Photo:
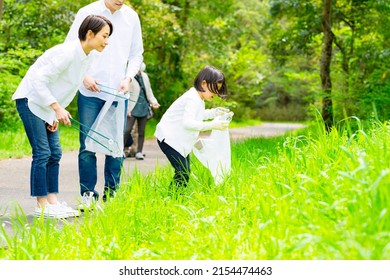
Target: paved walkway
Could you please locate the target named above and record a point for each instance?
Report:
(15, 173)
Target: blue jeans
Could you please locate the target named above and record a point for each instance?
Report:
(89, 109)
(46, 152)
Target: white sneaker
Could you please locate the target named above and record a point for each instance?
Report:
(69, 210)
(86, 201)
(51, 211)
(139, 155)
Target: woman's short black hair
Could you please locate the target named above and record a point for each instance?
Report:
(215, 80)
(95, 23)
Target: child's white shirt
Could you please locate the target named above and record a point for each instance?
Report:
(181, 124)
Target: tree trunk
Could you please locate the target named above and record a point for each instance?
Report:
(1, 8)
(326, 83)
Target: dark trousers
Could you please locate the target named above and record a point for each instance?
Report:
(128, 139)
(180, 164)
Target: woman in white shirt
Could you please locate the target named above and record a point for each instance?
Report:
(46, 90)
(179, 127)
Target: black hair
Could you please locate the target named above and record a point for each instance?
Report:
(214, 78)
(95, 23)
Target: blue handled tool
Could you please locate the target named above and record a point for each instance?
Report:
(86, 134)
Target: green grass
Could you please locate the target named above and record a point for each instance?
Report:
(312, 195)
(15, 144)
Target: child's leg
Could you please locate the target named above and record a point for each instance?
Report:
(180, 164)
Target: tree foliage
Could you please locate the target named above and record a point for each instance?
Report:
(361, 49)
(269, 50)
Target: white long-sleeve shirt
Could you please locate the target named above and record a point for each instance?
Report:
(182, 122)
(123, 55)
(54, 77)
(148, 88)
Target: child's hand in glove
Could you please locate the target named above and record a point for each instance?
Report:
(218, 124)
(223, 114)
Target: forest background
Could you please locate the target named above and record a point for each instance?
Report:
(277, 61)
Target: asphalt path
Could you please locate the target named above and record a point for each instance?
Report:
(15, 173)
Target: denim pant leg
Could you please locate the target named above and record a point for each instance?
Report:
(88, 109)
(112, 173)
(113, 166)
(53, 165)
(46, 152)
(180, 164)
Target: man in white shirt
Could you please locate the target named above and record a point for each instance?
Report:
(114, 68)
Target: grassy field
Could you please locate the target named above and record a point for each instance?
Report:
(307, 196)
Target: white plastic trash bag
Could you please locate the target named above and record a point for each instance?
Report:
(214, 153)
(106, 134)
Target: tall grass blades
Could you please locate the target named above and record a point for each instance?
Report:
(312, 195)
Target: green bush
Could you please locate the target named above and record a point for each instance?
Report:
(8, 115)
